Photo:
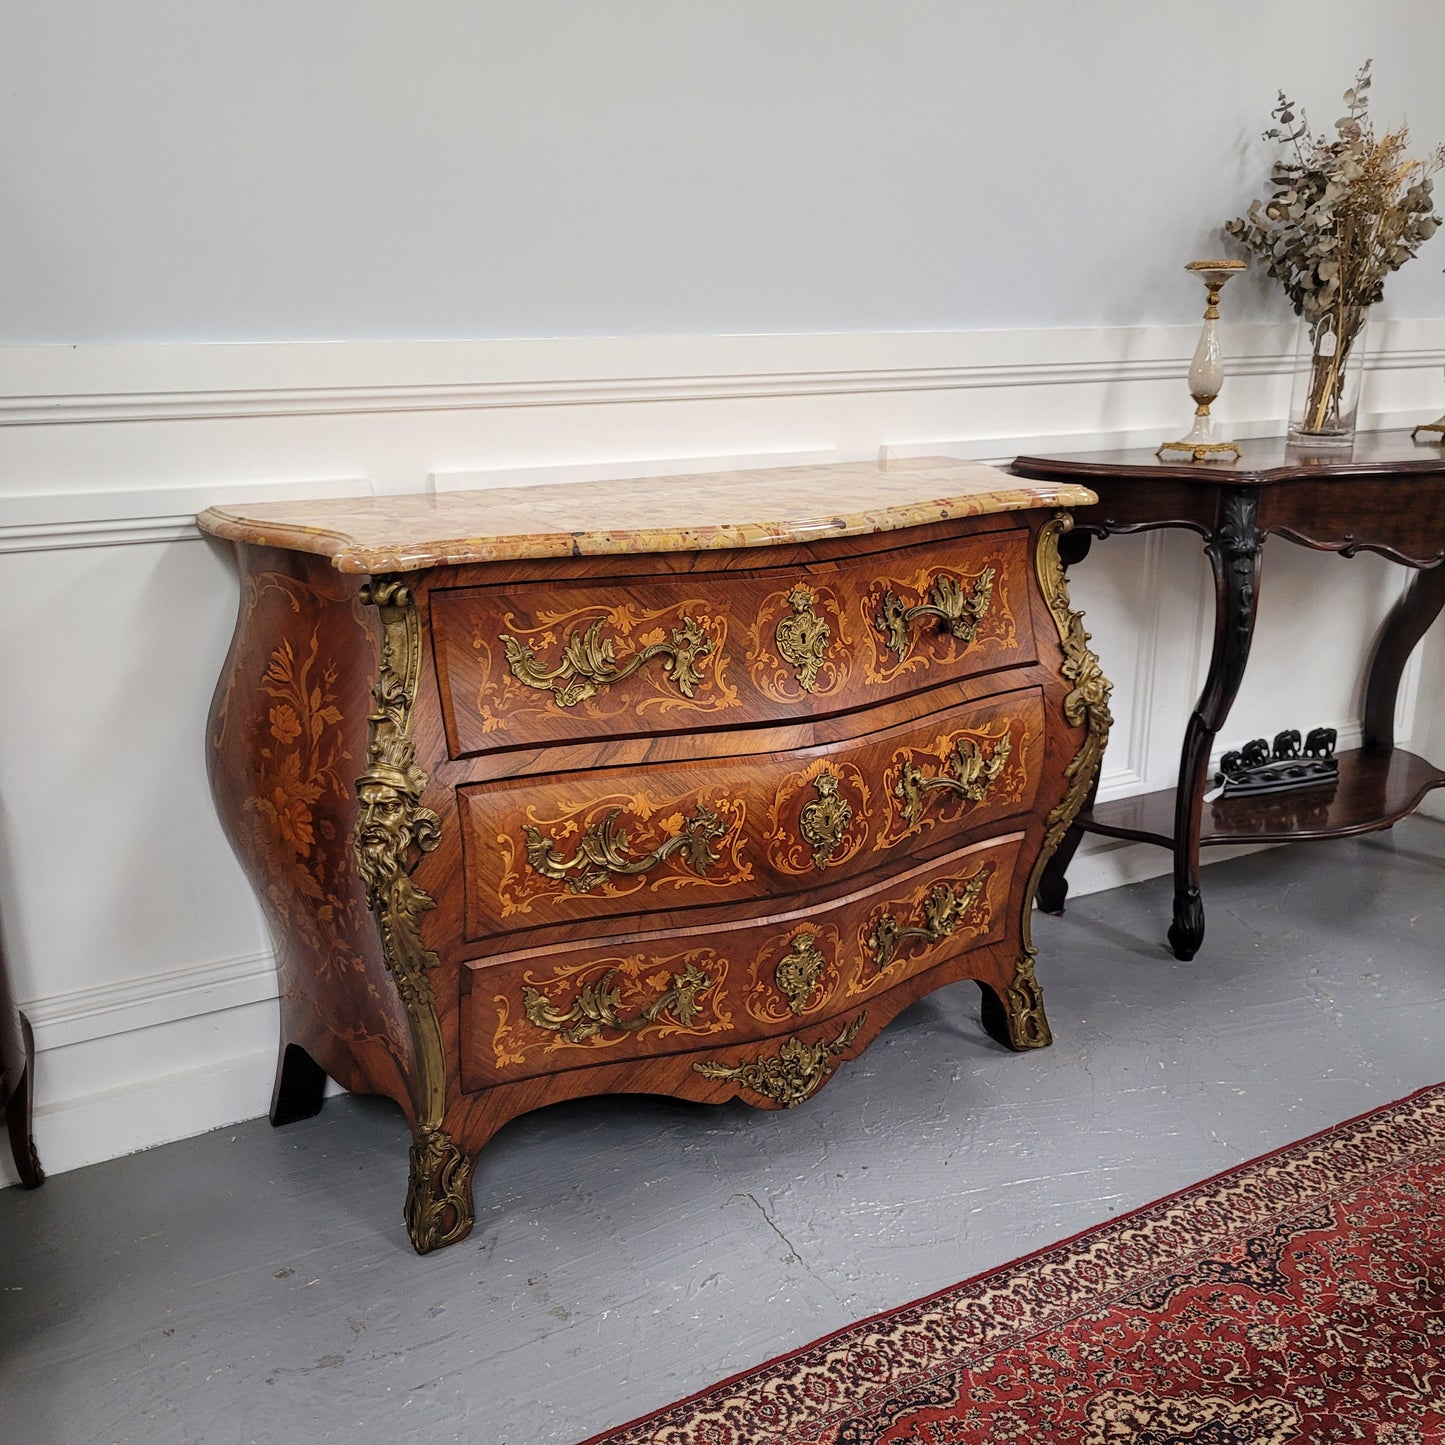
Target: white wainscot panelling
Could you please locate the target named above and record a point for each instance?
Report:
(137, 946)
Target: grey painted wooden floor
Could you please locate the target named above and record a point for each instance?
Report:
(255, 1285)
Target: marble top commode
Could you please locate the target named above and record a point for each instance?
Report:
(672, 785)
(648, 514)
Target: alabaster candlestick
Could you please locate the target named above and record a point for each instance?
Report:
(1206, 370)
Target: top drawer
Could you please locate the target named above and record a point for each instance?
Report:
(556, 662)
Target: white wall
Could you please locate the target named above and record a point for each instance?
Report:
(962, 224)
(200, 170)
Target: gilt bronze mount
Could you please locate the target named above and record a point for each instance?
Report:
(957, 611)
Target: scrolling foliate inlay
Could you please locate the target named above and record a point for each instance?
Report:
(392, 824)
(946, 908)
(589, 661)
(624, 995)
(793, 1074)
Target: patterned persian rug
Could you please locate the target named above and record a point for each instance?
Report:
(1300, 1297)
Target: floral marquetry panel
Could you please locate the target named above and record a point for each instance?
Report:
(288, 736)
(647, 787)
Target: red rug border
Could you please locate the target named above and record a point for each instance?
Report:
(1022, 1259)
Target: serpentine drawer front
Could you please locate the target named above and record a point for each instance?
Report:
(637, 996)
(594, 845)
(681, 785)
(528, 663)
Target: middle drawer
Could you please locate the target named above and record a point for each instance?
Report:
(620, 841)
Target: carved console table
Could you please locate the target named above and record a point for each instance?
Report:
(677, 786)
(1388, 496)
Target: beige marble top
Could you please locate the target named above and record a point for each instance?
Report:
(649, 514)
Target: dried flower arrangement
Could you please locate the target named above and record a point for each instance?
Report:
(1344, 211)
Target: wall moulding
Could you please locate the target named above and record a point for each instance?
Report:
(106, 1010)
(50, 386)
(105, 517)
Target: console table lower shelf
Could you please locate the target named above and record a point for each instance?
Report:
(1376, 788)
(630, 803)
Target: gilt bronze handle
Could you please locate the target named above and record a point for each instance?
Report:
(958, 612)
(946, 907)
(602, 852)
(589, 662)
(596, 1006)
(973, 774)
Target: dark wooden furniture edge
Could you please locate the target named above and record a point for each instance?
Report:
(17, 1079)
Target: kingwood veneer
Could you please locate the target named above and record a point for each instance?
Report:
(677, 786)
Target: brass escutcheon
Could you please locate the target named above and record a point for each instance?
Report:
(798, 971)
(803, 638)
(824, 821)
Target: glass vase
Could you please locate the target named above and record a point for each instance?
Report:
(1329, 367)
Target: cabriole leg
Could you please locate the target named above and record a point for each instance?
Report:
(439, 1194)
(300, 1086)
(1015, 1016)
(1233, 553)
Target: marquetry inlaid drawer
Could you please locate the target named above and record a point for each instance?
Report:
(609, 842)
(551, 662)
(638, 995)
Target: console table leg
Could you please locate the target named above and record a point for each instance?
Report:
(300, 1086)
(1233, 553)
(1409, 620)
(19, 1115)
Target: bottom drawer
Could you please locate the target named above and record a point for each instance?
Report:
(633, 996)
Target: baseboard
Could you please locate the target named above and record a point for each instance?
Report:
(1434, 805)
(1104, 863)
